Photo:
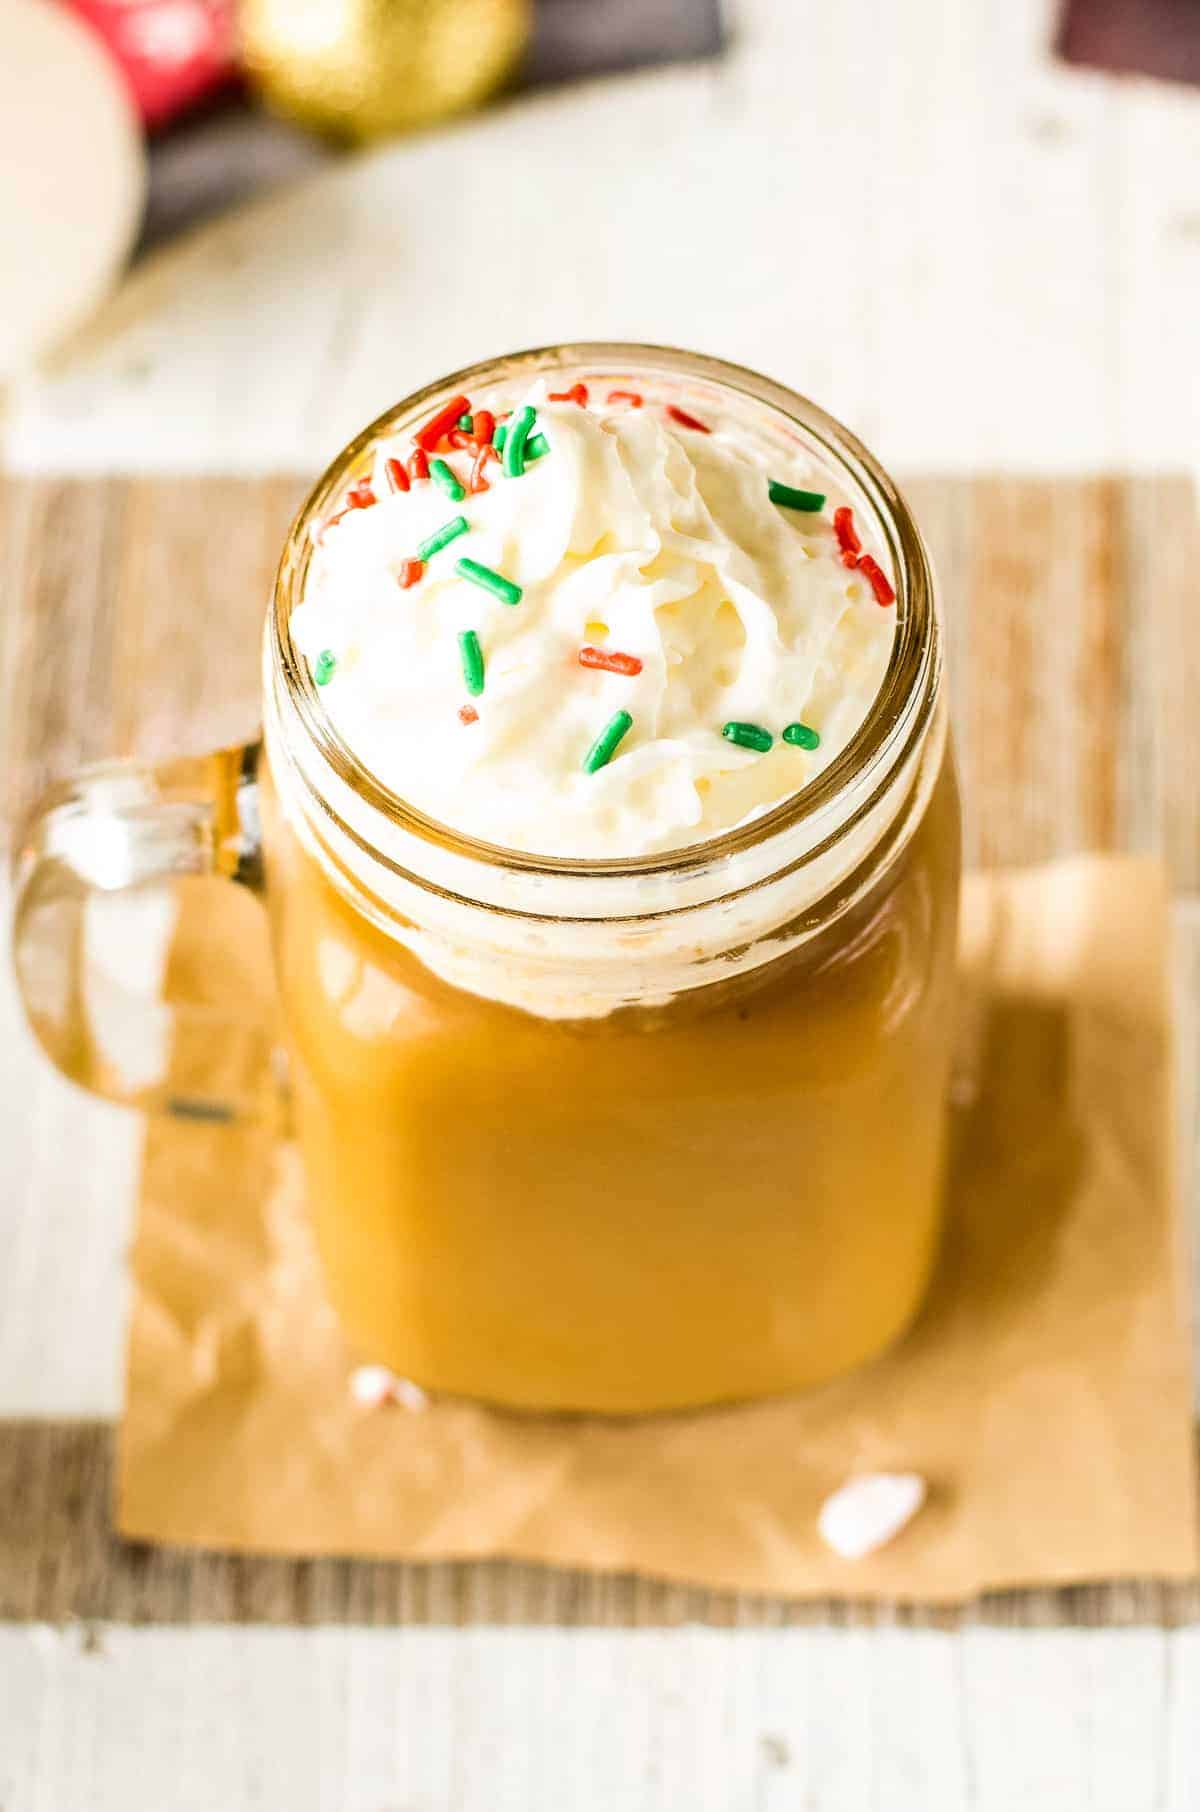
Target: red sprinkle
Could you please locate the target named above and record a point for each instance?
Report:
(441, 423)
(687, 421)
(410, 572)
(418, 464)
(459, 438)
(359, 497)
(397, 477)
(477, 482)
(634, 398)
(880, 584)
(485, 426)
(578, 393)
(848, 559)
(610, 662)
(468, 714)
(847, 534)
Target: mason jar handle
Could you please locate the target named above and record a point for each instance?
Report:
(95, 914)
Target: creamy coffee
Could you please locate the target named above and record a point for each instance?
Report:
(613, 863)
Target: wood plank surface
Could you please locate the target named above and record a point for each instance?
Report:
(136, 629)
(61, 1563)
(545, 1720)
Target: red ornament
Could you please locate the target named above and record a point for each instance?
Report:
(173, 53)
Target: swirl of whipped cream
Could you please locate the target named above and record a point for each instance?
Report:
(633, 534)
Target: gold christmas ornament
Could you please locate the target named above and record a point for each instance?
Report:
(362, 69)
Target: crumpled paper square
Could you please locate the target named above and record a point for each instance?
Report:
(1044, 1393)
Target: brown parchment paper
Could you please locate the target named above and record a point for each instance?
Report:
(1045, 1391)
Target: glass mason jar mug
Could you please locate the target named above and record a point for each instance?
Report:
(608, 1135)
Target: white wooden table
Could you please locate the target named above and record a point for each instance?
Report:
(980, 262)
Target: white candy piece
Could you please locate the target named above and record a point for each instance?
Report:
(375, 1385)
(866, 1512)
(372, 1385)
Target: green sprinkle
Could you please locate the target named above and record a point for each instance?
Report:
(789, 499)
(472, 662)
(326, 662)
(519, 430)
(445, 480)
(492, 581)
(802, 737)
(535, 446)
(449, 531)
(466, 423)
(748, 736)
(605, 745)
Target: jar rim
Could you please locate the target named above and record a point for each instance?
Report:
(899, 713)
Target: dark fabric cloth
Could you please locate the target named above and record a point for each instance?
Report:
(1135, 37)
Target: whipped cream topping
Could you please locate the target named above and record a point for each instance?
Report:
(633, 534)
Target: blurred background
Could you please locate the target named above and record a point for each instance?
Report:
(971, 231)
